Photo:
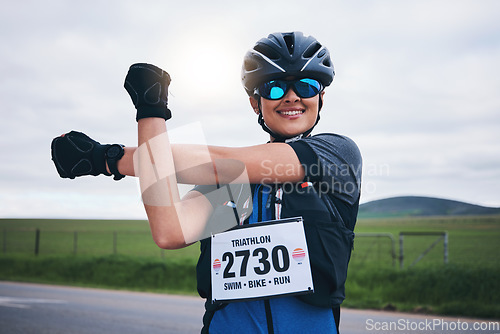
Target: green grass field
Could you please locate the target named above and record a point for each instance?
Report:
(122, 254)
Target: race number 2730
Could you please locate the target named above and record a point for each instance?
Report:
(279, 260)
(268, 259)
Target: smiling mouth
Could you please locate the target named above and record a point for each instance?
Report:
(290, 112)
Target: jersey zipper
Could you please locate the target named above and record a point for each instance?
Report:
(260, 208)
(269, 317)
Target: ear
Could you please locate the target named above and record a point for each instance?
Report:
(255, 104)
(320, 101)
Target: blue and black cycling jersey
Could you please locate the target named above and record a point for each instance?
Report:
(328, 202)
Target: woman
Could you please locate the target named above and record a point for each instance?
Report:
(316, 178)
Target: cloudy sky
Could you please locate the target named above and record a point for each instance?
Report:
(417, 87)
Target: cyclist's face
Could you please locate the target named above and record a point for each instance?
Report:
(290, 115)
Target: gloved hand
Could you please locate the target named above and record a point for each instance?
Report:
(147, 85)
(76, 154)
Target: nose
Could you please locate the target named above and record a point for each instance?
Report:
(291, 96)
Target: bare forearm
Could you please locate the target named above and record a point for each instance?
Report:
(158, 183)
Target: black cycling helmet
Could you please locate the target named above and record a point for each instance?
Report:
(282, 55)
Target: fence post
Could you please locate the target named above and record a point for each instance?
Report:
(75, 242)
(401, 255)
(446, 247)
(37, 241)
(393, 251)
(4, 247)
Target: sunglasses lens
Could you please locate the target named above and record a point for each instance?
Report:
(276, 93)
(307, 88)
(273, 90)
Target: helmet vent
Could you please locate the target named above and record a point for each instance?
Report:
(267, 51)
(289, 41)
(250, 65)
(311, 50)
(327, 62)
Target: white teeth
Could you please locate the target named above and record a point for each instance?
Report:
(292, 112)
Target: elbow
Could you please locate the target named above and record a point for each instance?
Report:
(176, 226)
(165, 227)
(169, 243)
(169, 239)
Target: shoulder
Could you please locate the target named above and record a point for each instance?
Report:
(337, 156)
(332, 144)
(331, 140)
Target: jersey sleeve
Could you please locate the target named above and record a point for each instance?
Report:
(229, 201)
(210, 192)
(333, 161)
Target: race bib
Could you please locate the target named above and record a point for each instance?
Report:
(261, 260)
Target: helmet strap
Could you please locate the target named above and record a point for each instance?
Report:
(282, 139)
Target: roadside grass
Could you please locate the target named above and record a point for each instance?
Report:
(122, 255)
(173, 275)
(458, 290)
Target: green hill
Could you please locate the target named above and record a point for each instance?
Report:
(421, 206)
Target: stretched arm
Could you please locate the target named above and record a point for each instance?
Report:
(174, 222)
(267, 163)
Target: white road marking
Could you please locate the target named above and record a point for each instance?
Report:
(18, 302)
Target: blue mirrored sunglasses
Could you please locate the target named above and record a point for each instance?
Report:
(276, 89)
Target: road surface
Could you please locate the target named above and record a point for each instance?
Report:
(44, 309)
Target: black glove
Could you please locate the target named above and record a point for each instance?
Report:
(147, 85)
(76, 154)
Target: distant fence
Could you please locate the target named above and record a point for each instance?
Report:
(381, 248)
(441, 236)
(36, 241)
(377, 248)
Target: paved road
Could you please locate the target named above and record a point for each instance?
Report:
(40, 309)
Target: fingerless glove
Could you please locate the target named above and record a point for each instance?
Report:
(147, 85)
(76, 154)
